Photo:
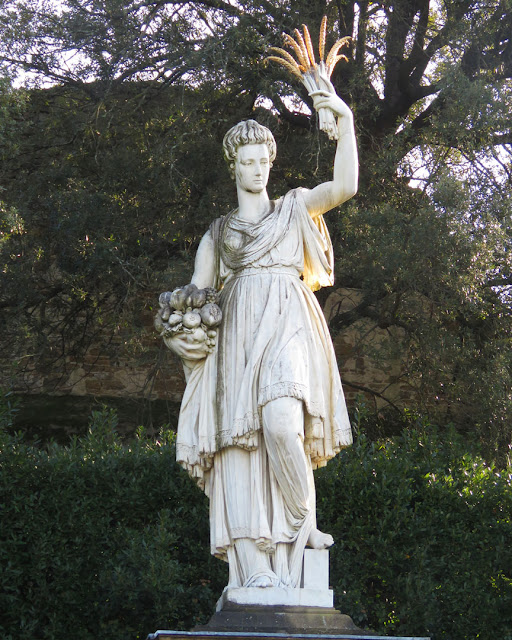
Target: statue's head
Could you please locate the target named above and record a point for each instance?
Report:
(247, 132)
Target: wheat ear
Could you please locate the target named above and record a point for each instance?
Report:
(292, 68)
(309, 45)
(334, 62)
(285, 55)
(296, 47)
(322, 38)
(335, 48)
(303, 48)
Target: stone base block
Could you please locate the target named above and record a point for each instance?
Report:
(315, 570)
(275, 597)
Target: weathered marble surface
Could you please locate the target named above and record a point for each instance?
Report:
(277, 596)
(264, 404)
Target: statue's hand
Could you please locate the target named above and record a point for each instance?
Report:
(330, 100)
(190, 346)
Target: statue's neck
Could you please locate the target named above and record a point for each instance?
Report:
(252, 206)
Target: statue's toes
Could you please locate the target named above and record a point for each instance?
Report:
(319, 540)
(262, 582)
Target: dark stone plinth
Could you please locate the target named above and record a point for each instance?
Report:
(236, 621)
(280, 619)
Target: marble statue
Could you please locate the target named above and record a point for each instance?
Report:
(263, 404)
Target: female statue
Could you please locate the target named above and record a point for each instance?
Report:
(265, 406)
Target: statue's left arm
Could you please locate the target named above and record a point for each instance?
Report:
(343, 185)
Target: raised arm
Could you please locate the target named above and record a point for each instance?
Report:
(343, 185)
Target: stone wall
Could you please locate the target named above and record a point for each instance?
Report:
(145, 384)
(371, 359)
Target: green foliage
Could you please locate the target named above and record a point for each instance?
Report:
(12, 105)
(118, 174)
(424, 530)
(8, 410)
(87, 239)
(433, 271)
(104, 537)
(111, 210)
(101, 538)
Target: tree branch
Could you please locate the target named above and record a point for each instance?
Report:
(501, 281)
(361, 34)
(296, 119)
(361, 387)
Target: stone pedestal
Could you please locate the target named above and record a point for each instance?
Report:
(196, 635)
(279, 619)
(278, 614)
(279, 610)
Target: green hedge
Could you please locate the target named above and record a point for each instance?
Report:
(101, 539)
(424, 536)
(109, 539)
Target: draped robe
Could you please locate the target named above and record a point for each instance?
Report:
(273, 343)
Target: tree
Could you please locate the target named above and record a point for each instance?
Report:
(428, 238)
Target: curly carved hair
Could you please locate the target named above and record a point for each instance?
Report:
(247, 132)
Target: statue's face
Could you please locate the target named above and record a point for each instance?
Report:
(252, 166)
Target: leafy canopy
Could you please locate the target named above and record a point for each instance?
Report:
(122, 185)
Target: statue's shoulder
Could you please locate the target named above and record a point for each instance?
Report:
(217, 222)
(298, 192)
(293, 194)
(216, 227)
(292, 201)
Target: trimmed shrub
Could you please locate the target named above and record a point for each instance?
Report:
(102, 538)
(424, 536)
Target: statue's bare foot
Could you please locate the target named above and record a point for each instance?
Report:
(262, 582)
(319, 540)
(262, 579)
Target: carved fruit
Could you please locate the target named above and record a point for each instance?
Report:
(174, 319)
(211, 315)
(178, 297)
(198, 298)
(199, 335)
(165, 312)
(191, 320)
(211, 294)
(159, 324)
(165, 298)
(189, 290)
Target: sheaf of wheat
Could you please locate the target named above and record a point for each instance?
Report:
(305, 57)
(314, 75)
